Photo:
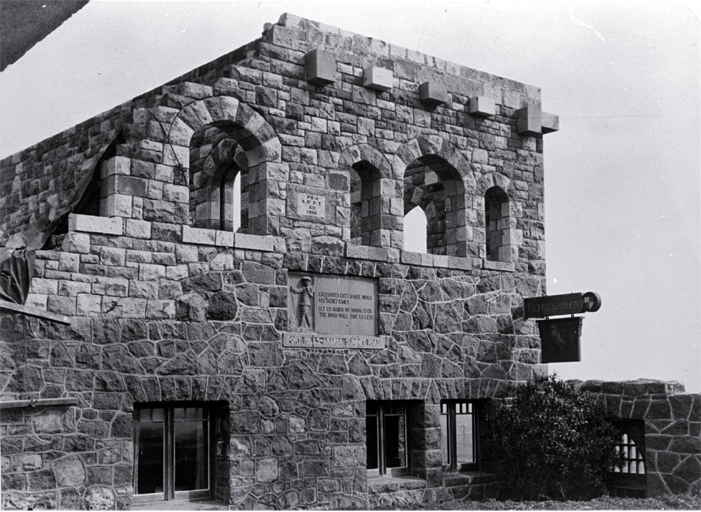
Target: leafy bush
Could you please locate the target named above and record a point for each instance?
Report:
(550, 441)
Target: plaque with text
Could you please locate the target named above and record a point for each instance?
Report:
(332, 312)
(311, 205)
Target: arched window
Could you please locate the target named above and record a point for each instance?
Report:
(436, 187)
(499, 243)
(230, 200)
(415, 223)
(368, 220)
(218, 168)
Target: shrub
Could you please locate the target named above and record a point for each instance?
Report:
(550, 441)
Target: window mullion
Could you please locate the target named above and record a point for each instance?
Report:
(381, 440)
(453, 437)
(170, 455)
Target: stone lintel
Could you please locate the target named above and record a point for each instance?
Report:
(219, 238)
(482, 106)
(433, 93)
(365, 252)
(320, 67)
(549, 122)
(94, 224)
(380, 79)
(498, 265)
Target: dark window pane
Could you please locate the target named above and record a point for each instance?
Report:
(179, 413)
(395, 441)
(159, 414)
(191, 455)
(150, 464)
(371, 430)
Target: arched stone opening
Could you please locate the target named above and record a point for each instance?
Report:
(375, 198)
(415, 225)
(225, 138)
(214, 201)
(497, 221)
(436, 178)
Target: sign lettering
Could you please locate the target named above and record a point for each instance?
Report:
(311, 205)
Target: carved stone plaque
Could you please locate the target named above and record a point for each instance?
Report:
(332, 312)
(311, 205)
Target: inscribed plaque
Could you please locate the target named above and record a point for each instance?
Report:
(311, 205)
(332, 305)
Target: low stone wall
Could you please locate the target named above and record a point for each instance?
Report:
(672, 429)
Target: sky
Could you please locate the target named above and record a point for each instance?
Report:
(622, 175)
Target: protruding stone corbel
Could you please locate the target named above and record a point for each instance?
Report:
(320, 67)
(380, 79)
(433, 93)
(482, 106)
(532, 121)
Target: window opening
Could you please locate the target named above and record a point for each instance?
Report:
(386, 427)
(497, 228)
(415, 223)
(631, 456)
(173, 452)
(230, 200)
(459, 434)
(630, 479)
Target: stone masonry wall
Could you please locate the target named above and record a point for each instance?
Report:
(672, 429)
(297, 417)
(161, 310)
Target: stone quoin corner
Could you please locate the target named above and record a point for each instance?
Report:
(304, 359)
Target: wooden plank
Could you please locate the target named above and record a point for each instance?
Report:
(30, 311)
(40, 402)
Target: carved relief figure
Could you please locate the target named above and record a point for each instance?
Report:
(304, 305)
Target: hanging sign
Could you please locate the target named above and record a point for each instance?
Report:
(555, 305)
(560, 339)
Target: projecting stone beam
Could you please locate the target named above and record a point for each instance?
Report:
(533, 121)
(320, 67)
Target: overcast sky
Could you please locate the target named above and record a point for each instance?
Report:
(622, 179)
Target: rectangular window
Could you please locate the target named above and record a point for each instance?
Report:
(173, 455)
(630, 479)
(386, 428)
(459, 434)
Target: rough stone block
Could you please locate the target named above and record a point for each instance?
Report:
(365, 252)
(199, 236)
(76, 242)
(320, 67)
(482, 106)
(116, 205)
(92, 224)
(256, 242)
(433, 93)
(138, 228)
(115, 165)
(380, 79)
(88, 305)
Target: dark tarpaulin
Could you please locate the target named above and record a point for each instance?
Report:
(16, 272)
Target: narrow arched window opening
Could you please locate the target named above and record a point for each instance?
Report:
(230, 200)
(499, 244)
(415, 224)
(369, 221)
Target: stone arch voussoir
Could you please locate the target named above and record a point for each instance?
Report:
(365, 152)
(495, 179)
(239, 120)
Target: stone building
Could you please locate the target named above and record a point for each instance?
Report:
(303, 359)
